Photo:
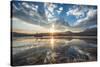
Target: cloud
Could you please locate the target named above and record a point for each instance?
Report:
(59, 10)
(29, 12)
(14, 6)
(34, 7)
(77, 11)
(86, 17)
(26, 5)
(93, 26)
(29, 8)
(90, 19)
(26, 27)
(91, 13)
(49, 11)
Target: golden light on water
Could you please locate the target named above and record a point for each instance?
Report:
(52, 30)
(52, 42)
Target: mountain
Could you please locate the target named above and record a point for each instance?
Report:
(16, 34)
(90, 32)
(87, 32)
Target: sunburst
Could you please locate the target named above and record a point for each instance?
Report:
(52, 29)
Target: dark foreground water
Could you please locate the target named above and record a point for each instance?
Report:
(32, 51)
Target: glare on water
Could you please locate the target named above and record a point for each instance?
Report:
(53, 50)
(52, 42)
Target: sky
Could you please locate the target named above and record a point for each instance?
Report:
(38, 17)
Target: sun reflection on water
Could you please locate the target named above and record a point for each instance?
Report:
(52, 43)
(52, 30)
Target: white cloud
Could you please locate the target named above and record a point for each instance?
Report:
(49, 11)
(90, 19)
(59, 10)
(86, 16)
(27, 27)
(34, 8)
(77, 11)
(31, 7)
(15, 7)
(91, 13)
(50, 7)
(31, 13)
(26, 5)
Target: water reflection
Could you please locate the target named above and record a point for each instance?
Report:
(51, 54)
(45, 51)
(52, 43)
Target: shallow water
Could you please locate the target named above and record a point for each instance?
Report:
(32, 51)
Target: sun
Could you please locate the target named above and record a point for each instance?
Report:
(52, 29)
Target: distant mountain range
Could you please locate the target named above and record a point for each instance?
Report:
(87, 32)
(91, 32)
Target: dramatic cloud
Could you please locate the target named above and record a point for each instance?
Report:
(26, 5)
(59, 10)
(77, 11)
(86, 17)
(30, 9)
(24, 26)
(65, 17)
(29, 12)
(49, 11)
(89, 20)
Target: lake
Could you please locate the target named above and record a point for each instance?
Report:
(34, 51)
